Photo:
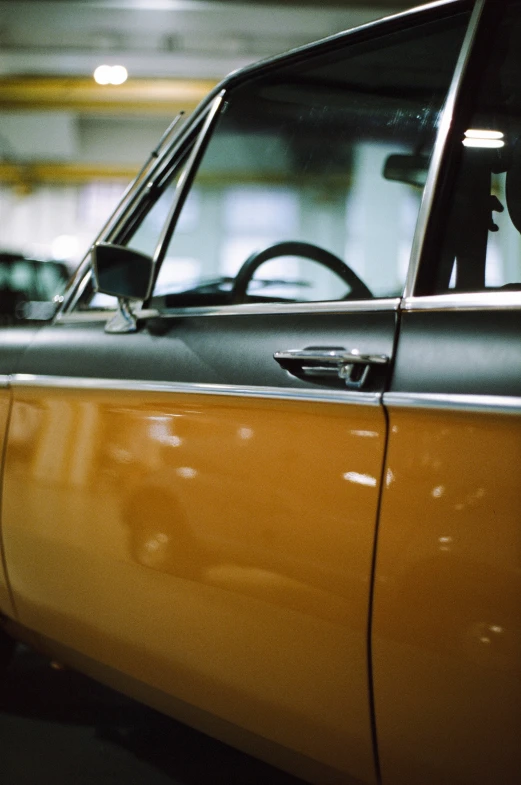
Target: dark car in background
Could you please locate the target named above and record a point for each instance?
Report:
(28, 287)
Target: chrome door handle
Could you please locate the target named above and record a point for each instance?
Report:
(317, 362)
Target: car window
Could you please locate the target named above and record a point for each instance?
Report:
(301, 168)
(481, 249)
(146, 236)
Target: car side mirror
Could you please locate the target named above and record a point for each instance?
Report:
(125, 274)
(409, 169)
(121, 272)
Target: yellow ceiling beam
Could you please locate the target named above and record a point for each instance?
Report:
(26, 176)
(63, 173)
(150, 96)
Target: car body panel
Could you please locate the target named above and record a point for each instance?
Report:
(264, 555)
(249, 602)
(446, 625)
(446, 635)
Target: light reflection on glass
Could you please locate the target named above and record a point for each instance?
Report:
(475, 137)
(475, 133)
(360, 479)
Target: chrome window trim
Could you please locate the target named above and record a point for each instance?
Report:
(440, 147)
(100, 315)
(331, 307)
(276, 60)
(183, 185)
(475, 301)
(493, 404)
(231, 390)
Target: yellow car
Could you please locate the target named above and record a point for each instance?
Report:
(261, 471)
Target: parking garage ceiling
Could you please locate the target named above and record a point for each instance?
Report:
(165, 38)
(174, 51)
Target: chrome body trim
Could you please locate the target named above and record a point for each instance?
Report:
(440, 146)
(237, 391)
(492, 404)
(475, 301)
(102, 315)
(332, 307)
(4, 381)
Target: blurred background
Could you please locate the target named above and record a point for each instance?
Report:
(70, 144)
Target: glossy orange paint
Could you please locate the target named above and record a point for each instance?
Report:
(216, 548)
(447, 606)
(6, 605)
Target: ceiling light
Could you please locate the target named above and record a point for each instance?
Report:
(110, 74)
(118, 74)
(102, 74)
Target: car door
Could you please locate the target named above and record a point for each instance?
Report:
(446, 635)
(195, 502)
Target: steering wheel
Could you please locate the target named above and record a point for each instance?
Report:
(296, 248)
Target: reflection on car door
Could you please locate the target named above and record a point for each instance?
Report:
(204, 524)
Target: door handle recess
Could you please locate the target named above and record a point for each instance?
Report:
(330, 363)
